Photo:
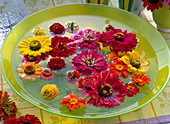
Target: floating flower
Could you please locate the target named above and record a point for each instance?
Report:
(86, 39)
(109, 27)
(26, 119)
(28, 58)
(35, 46)
(39, 32)
(30, 70)
(152, 4)
(62, 47)
(72, 27)
(7, 107)
(119, 40)
(115, 55)
(135, 62)
(119, 68)
(131, 89)
(73, 102)
(88, 62)
(56, 63)
(107, 90)
(140, 80)
(84, 84)
(47, 74)
(57, 29)
(49, 91)
(73, 76)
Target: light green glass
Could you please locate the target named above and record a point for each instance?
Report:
(153, 47)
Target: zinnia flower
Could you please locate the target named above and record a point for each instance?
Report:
(7, 107)
(107, 90)
(88, 62)
(131, 89)
(152, 4)
(35, 46)
(119, 68)
(72, 27)
(57, 29)
(49, 91)
(47, 74)
(62, 47)
(29, 71)
(28, 58)
(140, 80)
(135, 62)
(56, 63)
(26, 119)
(119, 40)
(86, 39)
(39, 32)
(73, 102)
(109, 27)
(72, 76)
(115, 55)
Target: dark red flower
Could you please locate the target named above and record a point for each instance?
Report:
(131, 89)
(73, 76)
(28, 58)
(152, 4)
(56, 63)
(109, 27)
(57, 29)
(62, 47)
(11, 120)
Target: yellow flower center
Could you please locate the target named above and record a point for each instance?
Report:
(31, 58)
(89, 62)
(47, 72)
(121, 53)
(38, 32)
(71, 75)
(73, 100)
(119, 37)
(35, 45)
(135, 63)
(140, 80)
(29, 69)
(119, 67)
(130, 89)
(55, 27)
(106, 90)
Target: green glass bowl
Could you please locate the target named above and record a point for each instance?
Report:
(151, 45)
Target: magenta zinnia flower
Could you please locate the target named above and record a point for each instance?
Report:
(107, 90)
(119, 40)
(87, 39)
(88, 62)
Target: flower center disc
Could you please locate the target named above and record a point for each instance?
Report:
(29, 69)
(73, 100)
(106, 90)
(47, 72)
(153, 1)
(130, 89)
(35, 45)
(119, 37)
(119, 67)
(55, 27)
(89, 62)
(71, 75)
(135, 63)
(31, 58)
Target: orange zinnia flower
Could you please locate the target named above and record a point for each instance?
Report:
(140, 79)
(72, 101)
(115, 55)
(119, 68)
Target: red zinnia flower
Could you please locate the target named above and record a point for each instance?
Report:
(119, 40)
(119, 68)
(152, 4)
(56, 63)
(57, 29)
(109, 27)
(72, 101)
(47, 74)
(131, 89)
(62, 47)
(73, 76)
(140, 79)
(28, 58)
(7, 107)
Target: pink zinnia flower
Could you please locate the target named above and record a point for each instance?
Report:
(47, 74)
(72, 76)
(88, 62)
(131, 89)
(107, 90)
(87, 39)
(119, 40)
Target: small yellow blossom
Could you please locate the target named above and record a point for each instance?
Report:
(39, 32)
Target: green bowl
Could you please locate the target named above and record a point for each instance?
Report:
(151, 45)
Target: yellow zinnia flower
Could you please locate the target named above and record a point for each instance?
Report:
(35, 46)
(135, 62)
(39, 32)
(49, 91)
